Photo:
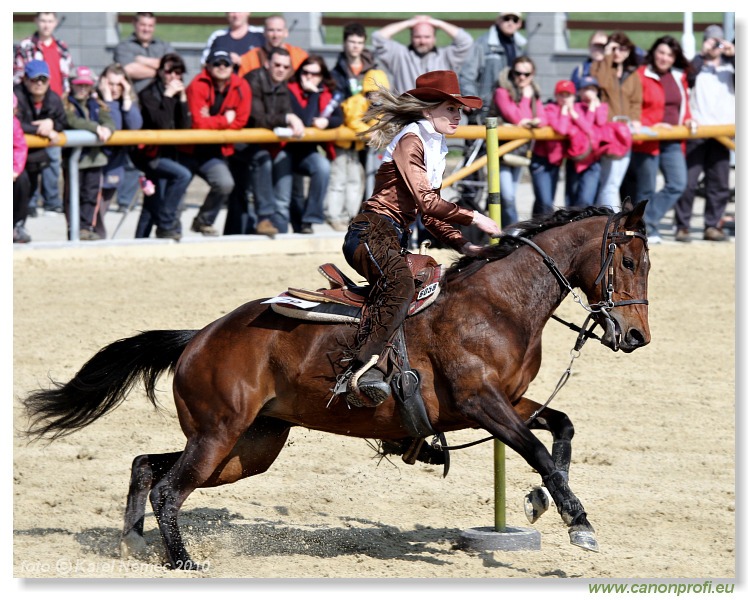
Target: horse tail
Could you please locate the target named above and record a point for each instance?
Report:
(104, 381)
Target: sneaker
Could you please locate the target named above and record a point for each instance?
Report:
(682, 235)
(20, 235)
(204, 228)
(653, 239)
(53, 210)
(712, 234)
(89, 235)
(265, 227)
(169, 234)
(306, 228)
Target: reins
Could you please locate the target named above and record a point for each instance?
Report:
(585, 332)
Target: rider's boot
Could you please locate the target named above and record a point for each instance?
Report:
(369, 382)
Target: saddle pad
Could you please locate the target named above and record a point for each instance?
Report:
(320, 312)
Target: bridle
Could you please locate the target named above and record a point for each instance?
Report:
(605, 278)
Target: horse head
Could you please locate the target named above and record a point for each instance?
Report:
(617, 287)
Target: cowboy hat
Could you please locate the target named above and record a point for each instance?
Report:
(438, 86)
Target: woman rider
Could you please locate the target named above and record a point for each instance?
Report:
(412, 128)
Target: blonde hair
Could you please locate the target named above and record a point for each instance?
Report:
(390, 114)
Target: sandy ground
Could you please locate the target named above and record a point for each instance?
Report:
(654, 452)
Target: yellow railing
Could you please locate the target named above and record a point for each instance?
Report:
(515, 137)
(264, 136)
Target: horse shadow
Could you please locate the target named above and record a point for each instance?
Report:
(260, 537)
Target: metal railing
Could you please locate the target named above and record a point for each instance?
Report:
(78, 139)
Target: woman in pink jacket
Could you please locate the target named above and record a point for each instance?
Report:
(518, 102)
(21, 184)
(664, 104)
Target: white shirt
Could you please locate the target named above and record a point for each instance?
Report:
(434, 149)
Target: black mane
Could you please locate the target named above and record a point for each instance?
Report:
(466, 265)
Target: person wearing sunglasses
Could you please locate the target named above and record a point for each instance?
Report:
(41, 113)
(218, 99)
(44, 46)
(265, 169)
(517, 99)
(491, 53)
(313, 100)
(163, 105)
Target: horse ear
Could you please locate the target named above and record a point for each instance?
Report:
(634, 218)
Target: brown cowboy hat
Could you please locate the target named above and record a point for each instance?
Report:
(438, 86)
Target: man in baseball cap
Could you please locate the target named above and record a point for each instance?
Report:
(36, 68)
(216, 56)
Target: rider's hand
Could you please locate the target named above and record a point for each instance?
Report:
(483, 223)
(470, 249)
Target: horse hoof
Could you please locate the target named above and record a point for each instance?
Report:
(584, 538)
(132, 544)
(536, 503)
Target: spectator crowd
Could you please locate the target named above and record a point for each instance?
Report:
(251, 77)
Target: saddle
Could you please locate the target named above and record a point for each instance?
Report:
(344, 300)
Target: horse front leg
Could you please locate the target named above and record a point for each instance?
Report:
(493, 412)
(537, 501)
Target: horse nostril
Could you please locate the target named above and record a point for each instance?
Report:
(635, 337)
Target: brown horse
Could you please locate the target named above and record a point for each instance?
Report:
(243, 381)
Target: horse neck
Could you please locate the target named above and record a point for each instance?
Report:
(524, 280)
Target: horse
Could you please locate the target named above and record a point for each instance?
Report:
(241, 383)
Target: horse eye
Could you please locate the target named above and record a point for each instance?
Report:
(628, 263)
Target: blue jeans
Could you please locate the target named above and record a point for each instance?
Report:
(544, 182)
(271, 181)
(581, 188)
(162, 208)
(612, 172)
(128, 187)
(672, 163)
(216, 173)
(317, 167)
(509, 182)
(50, 188)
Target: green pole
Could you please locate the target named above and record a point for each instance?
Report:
(494, 211)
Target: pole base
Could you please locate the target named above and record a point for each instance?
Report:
(511, 539)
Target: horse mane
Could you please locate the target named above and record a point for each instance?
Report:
(467, 265)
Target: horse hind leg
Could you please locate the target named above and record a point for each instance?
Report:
(147, 469)
(208, 462)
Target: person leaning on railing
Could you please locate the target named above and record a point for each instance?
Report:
(164, 106)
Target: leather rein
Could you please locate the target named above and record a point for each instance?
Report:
(606, 278)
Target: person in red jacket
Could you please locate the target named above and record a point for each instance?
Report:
(217, 99)
(664, 104)
(315, 99)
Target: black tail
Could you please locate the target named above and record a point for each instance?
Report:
(104, 382)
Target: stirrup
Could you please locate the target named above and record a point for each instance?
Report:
(367, 394)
